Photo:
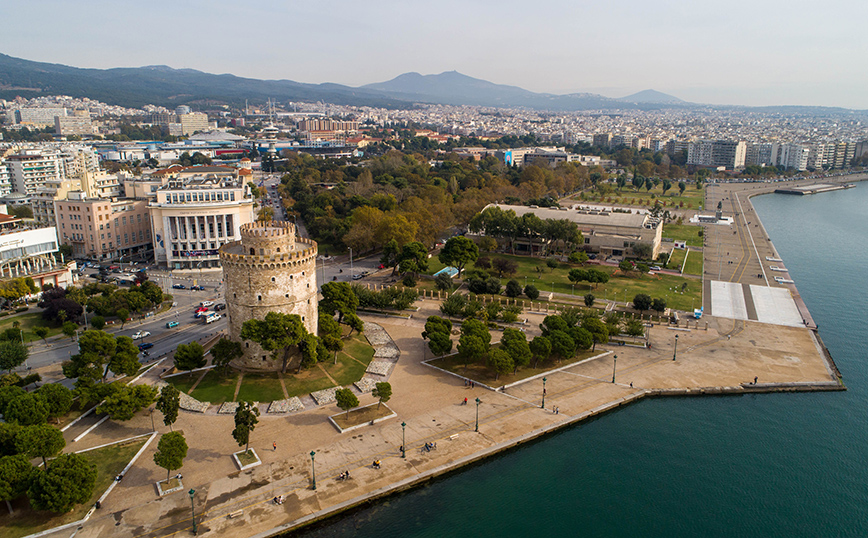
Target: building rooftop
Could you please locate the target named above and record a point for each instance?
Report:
(581, 217)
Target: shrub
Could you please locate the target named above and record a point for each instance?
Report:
(409, 281)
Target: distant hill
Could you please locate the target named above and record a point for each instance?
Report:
(653, 96)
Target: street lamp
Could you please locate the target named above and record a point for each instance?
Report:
(351, 262)
(614, 367)
(403, 440)
(478, 401)
(313, 469)
(676, 348)
(193, 508)
(543, 406)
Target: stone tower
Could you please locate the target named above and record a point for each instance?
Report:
(269, 270)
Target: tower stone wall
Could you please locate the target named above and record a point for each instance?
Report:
(269, 270)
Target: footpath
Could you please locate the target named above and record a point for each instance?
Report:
(725, 358)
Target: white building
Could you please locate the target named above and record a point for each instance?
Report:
(34, 253)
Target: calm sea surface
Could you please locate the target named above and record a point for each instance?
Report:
(758, 465)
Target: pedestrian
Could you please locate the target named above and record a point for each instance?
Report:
(465, 401)
(754, 380)
(631, 384)
(274, 445)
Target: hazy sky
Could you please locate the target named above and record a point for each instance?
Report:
(758, 52)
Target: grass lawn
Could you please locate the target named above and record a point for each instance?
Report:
(306, 382)
(683, 232)
(183, 382)
(29, 321)
(259, 388)
(362, 415)
(694, 263)
(216, 388)
(246, 457)
(109, 461)
(481, 373)
(677, 259)
(692, 198)
(74, 412)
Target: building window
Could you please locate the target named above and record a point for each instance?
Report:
(272, 279)
(259, 297)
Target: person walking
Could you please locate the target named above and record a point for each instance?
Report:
(274, 445)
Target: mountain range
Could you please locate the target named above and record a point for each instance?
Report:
(162, 85)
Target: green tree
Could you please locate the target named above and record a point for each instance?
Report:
(635, 327)
(189, 356)
(458, 252)
(666, 185)
(563, 344)
(577, 275)
(169, 404)
(658, 305)
(642, 302)
(589, 300)
(26, 410)
(277, 332)
(265, 214)
(224, 352)
(514, 342)
(41, 332)
(440, 344)
(123, 314)
(500, 362)
(15, 475)
(625, 266)
(69, 481)
(532, 292)
(40, 441)
(245, 422)
(643, 250)
(333, 344)
(57, 398)
(552, 263)
(171, 451)
(346, 400)
(443, 282)
(598, 330)
(339, 298)
(69, 328)
(125, 402)
(97, 322)
(383, 393)
(579, 256)
(513, 289)
(541, 348)
(681, 187)
(8, 394)
(12, 354)
(413, 258)
(391, 253)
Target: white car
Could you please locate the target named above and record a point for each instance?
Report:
(206, 304)
(141, 334)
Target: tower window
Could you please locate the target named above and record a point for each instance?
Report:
(259, 297)
(272, 279)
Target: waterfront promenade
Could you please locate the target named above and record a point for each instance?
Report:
(716, 356)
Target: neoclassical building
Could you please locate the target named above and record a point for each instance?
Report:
(268, 270)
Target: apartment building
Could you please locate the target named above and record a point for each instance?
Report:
(193, 122)
(727, 153)
(32, 168)
(103, 229)
(73, 125)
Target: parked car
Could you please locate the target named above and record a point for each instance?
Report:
(358, 277)
(206, 304)
(197, 288)
(179, 287)
(141, 334)
(146, 345)
(212, 318)
(171, 324)
(200, 309)
(219, 306)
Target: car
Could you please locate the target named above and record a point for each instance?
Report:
(141, 334)
(197, 288)
(655, 268)
(171, 324)
(358, 277)
(179, 287)
(219, 306)
(212, 318)
(201, 309)
(206, 304)
(146, 345)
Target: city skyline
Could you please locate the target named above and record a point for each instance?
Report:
(755, 55)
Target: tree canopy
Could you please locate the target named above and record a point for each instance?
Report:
(171, 451)
(68, 481)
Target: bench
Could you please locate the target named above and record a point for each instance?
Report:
(453, 437)
(235, 514)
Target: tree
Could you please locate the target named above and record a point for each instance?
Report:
(15, 475)
(413, 258)
(383, 393)
(40, 331)
(597, 276)
(123, 314)
(443, 282)
(169, 403)
(245, 422)
(532, 292)
(504, 266)
(97, 322)
(171, 451)
(666, 185)
(552, 263)
(681, 186)
(27, 409)
(278, 332)
(40, 441)
(69, 481)
(658, 305)
(458, 252)
(333, 344)
(642, 302)
(57, 398)
(513, 289)
(189, 356)
(346, 400)
(625, 266)
(589, 300)
(562, 344)
(69, 328)
(500, 362)
(265, 214)
(125, 402)
(541, 348)
(12, 354)
(598, 330)
(8, 394)
(226, 350)
(643, 250)
(338, 297)
(514, 342)
(635, 327)
(577, 275)
(579, 256)
(440, 343)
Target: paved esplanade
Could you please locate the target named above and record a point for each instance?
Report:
(729, 353)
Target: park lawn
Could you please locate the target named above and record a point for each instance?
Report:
(482, 373)
(246, 457)
(677, 259)
(216, 388)
(305, 382)
(28, 323)
(74, 412)
(184, 382)
(683, 232)
(692, 198)
(109, 462)
(361, 415)
(694, 263)
(259, 388)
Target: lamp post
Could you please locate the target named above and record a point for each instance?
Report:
(543, 406)
(313, 469)
(403, 440)
(614, 367)
(675, 352)
(351, 263)
(478, 401)
(193, 508)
